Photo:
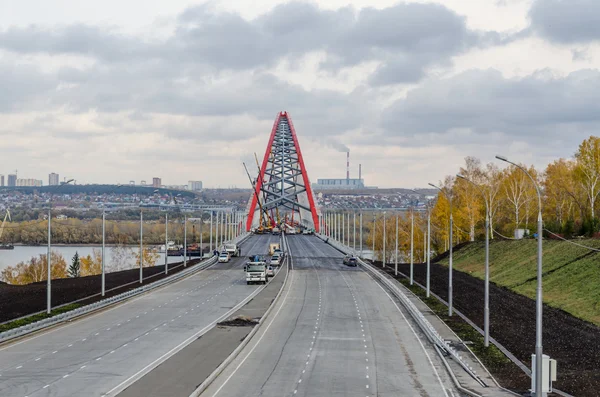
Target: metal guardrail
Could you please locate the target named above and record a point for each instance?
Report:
(47, 322)
(431, 333)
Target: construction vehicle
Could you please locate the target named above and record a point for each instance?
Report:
(5, 246)
(273, 247)
(233, 249)
(256, 270)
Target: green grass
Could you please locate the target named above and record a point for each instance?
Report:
(571, 279)
(491, 356)
(37, 317)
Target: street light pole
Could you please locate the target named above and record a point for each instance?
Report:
(103, 247)
(141, 245)
(486, 307)
(201, 246)
(428, 249)
(412, 231)
(48, 262)
(384, 238)
(450, 289)
(211, 232)
(354, 231)
(360, 237)
(373, 236)
(166, 243)
(539, 301)
(49, 255)
(184, 240)
(396, 258)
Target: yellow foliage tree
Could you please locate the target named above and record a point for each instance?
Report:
(35, 270)
(91, 265)
(587, 170)
(150, 257)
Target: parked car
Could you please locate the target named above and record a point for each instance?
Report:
(224, 256)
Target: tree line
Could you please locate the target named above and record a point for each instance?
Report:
(569, 189)
(89, 231)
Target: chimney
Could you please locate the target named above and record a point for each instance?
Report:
(348, 168)
(359, 171)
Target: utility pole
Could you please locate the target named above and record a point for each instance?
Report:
(141, 246)
(103, 241)
(396, 261)
(360, 234)
(166, 243)
(184, 240)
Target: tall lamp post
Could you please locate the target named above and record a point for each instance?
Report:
(103, 276)
(449, 197)
(539, 303)
(486, 307)
(48, 255)
(412, 237)
(384, 238)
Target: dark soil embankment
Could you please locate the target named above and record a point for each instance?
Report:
(574, 343)
(22, 300)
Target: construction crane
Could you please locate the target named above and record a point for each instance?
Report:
(5, 246)
(263, 213)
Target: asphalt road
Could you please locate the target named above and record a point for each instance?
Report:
(334, 332)
(100, 354)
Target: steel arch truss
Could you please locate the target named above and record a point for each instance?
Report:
(283, 186)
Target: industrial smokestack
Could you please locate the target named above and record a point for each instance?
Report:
(348, 168)
(359, 171)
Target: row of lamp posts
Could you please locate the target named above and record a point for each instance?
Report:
(332, 218)
(228, 226)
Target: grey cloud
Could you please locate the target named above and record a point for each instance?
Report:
(406, 38)
(23, 87)
(485, 105)
(76, 39)
(566, 21)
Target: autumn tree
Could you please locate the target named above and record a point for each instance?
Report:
(150, 257)
(587, 170)
(517, 191)
(91, 265)
(492, 183)
(468, 198)
(35, 270)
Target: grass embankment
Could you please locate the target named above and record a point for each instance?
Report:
(571, 279)
(37, 317)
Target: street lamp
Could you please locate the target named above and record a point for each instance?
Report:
(48, 257)
(486, 307)
(539, 303)
(412, 237)
(103, 276)
(449, 197)
(384, 237)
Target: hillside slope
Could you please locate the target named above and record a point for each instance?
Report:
(571, 280)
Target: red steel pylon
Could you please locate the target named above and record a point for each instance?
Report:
(283, 186)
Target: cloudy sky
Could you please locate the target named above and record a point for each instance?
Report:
(117, 90)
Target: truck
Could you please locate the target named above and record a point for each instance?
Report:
(256, 271)
(273, 247)
(233, 249)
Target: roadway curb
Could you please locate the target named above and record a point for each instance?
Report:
(26, 330)
(211, 378)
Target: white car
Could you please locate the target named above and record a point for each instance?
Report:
(270, 271)
(275, 260)
(224, 256)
